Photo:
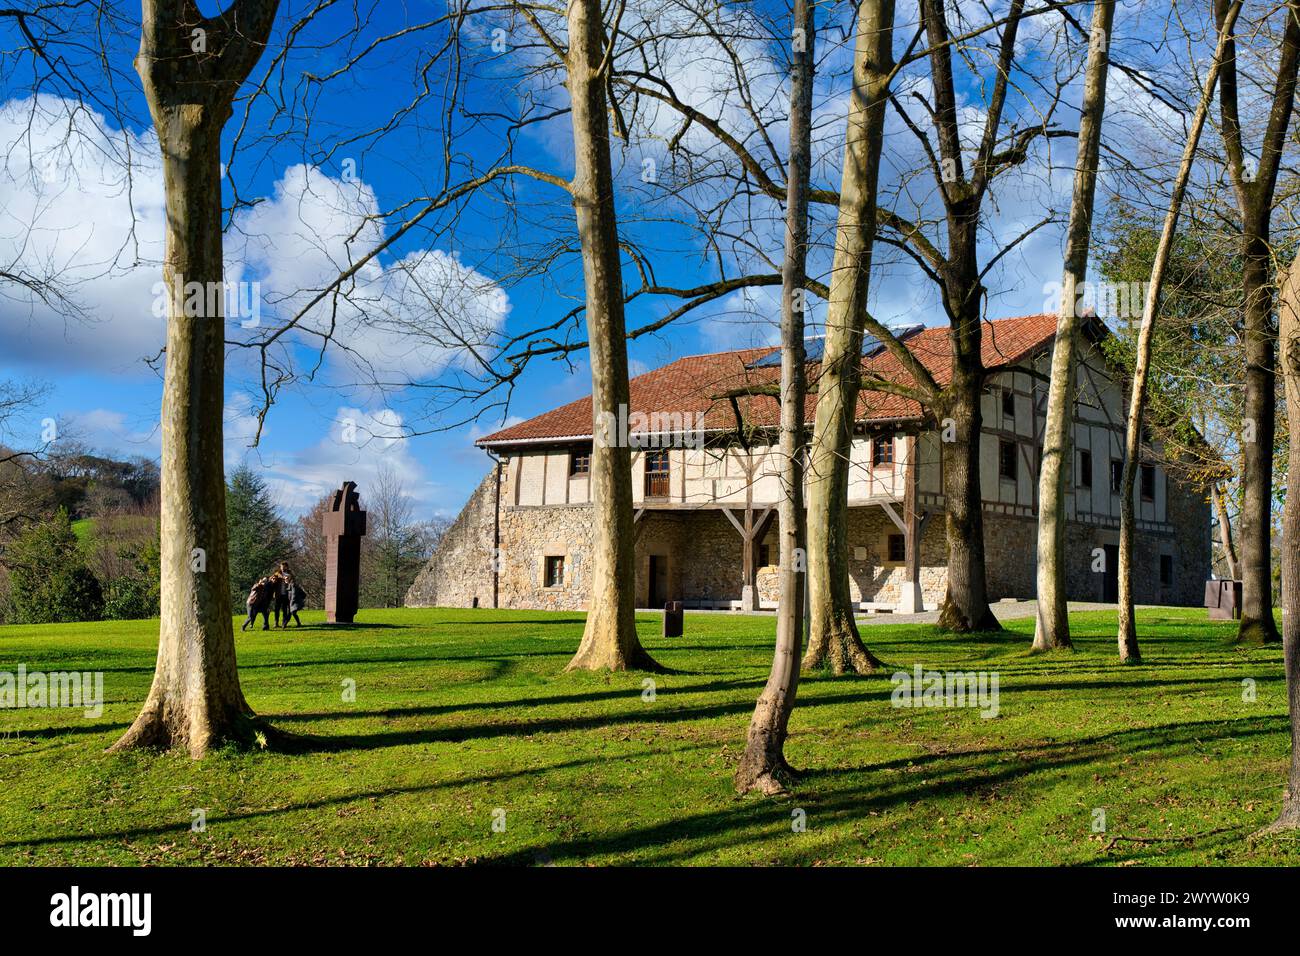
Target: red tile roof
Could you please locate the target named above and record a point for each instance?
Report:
(690, 385)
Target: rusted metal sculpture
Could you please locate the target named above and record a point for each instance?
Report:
(344, 525)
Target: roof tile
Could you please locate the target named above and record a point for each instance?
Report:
(692, 385)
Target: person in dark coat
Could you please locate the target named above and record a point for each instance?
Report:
(295, 599)
(260, 600)
(290, 598)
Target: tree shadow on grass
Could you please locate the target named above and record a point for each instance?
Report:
(459, 733)
(435, 709)
(405, 659)
(756, 822)
(517, 622)
(170, 829)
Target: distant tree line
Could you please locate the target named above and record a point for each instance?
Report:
(79, 541)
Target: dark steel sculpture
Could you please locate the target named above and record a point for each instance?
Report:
(344, 525)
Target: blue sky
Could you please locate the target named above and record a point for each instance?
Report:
(313, 183)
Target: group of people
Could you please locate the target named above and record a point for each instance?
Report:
(277, 594)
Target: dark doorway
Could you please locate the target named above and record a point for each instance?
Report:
(1110, 575)
(658, 580)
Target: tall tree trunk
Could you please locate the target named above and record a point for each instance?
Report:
(763, 766)
(1052, 629)
(1256, 518)
(609, 640)
(1127, 636)
(1225, 530)
(833, 636)
(1255, 196)
(195, 701)
(1289, 341)
(966, 603)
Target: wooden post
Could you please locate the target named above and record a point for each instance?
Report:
(911, 599)
(752, 531)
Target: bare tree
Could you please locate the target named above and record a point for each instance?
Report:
(763, 765)
(1052, 628)
(952, 263)
(1127, 636)
(1289, 342)
(1255, 192)
(191, 67)
(394, 546)
(833, 634)
(609, 639)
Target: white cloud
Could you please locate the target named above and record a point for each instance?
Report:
(357, 444)
(104, 428)
(68, 209)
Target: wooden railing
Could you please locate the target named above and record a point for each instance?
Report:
(656, 484)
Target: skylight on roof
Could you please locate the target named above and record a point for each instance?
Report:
(813, 346)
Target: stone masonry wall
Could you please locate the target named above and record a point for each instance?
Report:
(460, 571)
(703, 554)
(1010, 547)
(528, 537)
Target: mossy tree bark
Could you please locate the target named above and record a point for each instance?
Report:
(191, 67)
(1255, 193)
(966, 604)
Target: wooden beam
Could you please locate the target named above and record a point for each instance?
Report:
(893, 515)
(735, 523)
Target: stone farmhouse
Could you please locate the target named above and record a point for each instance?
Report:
(705, 490)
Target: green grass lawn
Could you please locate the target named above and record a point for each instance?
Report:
(460, 714)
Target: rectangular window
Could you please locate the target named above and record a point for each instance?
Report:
(1148, 482)
(897, 548)
(1008, 404)
(1085, 469)
(1116, 475)
(1007, 463)
(579, 462)
(882, 451)
(555, 570)
(1166, 570)
(656, 473)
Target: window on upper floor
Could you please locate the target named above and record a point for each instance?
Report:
(580, 461)
(1008, 403)
(1148, 482)
(1116, 475)
(1007, 461)
(1084, 478)
(882, 451)
(656, 473)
